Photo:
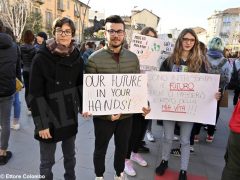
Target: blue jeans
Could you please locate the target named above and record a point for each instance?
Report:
(5, 113)
(16, 106)
(185, 133)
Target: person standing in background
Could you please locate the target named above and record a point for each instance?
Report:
(8, 63)
(40, 40)
(218, 65)
(16, 101)
(28, 52)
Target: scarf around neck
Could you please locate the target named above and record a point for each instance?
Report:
(215, 54)
(59, 49)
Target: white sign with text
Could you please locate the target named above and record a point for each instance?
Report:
(182, 96)
(106, 94)
(148, 50)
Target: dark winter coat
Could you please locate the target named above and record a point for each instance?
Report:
(55, 93)
(27, 54)
(8, 64)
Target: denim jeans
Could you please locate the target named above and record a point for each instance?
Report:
(5, 113)
(47, 157)
(16, 106)
(185, 133)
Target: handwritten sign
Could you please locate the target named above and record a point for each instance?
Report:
(151, 51)
(106, 94)
(148, 50)
(183, 96)
(167, 49)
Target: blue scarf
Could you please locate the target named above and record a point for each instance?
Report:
(215, 54)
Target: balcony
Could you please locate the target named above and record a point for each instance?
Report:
(40, 1)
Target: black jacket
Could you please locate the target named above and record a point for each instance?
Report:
(8, 62)
(55, 93)
(27, 54)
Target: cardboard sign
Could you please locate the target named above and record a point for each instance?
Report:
(106, 94)
(182, 96)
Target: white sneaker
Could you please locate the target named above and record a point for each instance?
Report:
(99, 178)
(150, 136)
(15, 126)
(29, 113)
(128, 169)
(176, 138)
(122, 177)
(136, 157)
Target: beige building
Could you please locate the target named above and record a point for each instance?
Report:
(226, 24)
(138, 20)
(73, 9)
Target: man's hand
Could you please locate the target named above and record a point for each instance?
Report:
(45, 134)
(115, 117)
(146, 110)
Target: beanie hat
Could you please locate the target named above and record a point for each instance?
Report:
(43, 35)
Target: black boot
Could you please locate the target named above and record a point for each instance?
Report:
(182, 175)
(160, 170)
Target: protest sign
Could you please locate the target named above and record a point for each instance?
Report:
(106, 94)
(151, 51)
(182, 96)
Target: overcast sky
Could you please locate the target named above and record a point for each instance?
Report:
(173, 13)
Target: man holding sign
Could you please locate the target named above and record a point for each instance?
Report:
(112, 59)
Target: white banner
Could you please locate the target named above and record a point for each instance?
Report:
(183, 96)
(106, 94)
(148, 50)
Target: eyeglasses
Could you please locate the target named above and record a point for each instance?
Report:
(67, 32)
(113, 32)
(185, 40)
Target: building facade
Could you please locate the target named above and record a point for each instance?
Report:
(226, 24)
(73, 9)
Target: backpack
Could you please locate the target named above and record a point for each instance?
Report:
(217, 69)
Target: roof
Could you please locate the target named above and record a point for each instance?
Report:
(198, 30)
(139, 11)
(232, 10)
(84, 4)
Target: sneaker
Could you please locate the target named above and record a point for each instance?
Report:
(29, 112)
(191, 149)
(15, 126)
(196, 139)
(136, 157)
(182, 175)
(128, 169)
(121, 177)
(4, 159)
(209, 139)
(160, 170)
(143, 149)
(176, 138)
(176, 152)
(99, 178)
(150, 136)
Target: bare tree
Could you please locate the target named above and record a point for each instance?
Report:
(14, 15)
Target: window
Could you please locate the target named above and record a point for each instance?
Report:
(68, 4)
(49, 19)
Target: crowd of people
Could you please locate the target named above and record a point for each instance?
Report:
(52, 71)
